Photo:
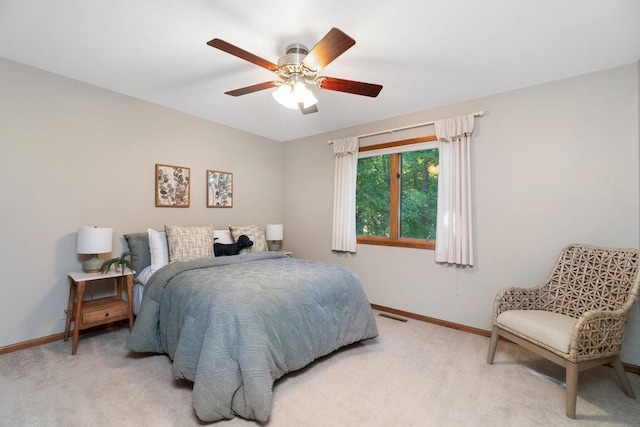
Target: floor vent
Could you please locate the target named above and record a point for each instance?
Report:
(391, 316)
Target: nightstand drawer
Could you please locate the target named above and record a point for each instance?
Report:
(104, 310)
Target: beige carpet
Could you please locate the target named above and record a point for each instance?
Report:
(414, 374)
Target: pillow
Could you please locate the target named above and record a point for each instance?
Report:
(158, 248)
(254, 232)
(223, 236)
(139, 248)
(189, 242)
(145, 275)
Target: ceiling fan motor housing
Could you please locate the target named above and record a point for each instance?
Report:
(290, 66)
(295, 54)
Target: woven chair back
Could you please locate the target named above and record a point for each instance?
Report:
(589, 277)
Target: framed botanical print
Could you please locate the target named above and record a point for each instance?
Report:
(219, 189)
(172, 186)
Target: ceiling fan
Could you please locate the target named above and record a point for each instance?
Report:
(298, 68)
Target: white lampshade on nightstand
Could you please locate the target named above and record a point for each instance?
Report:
(275, 234)
(93, 241)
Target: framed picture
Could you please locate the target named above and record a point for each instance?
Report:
(172, 186)
(219, 189)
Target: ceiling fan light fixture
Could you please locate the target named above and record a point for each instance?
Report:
(285, 97)
(291, 95)
(303, 95)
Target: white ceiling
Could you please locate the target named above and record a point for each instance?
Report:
(426, 53)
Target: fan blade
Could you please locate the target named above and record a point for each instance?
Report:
(312, 109)
(251, 89)
(332, 45)
(350, 86)
(242, 54)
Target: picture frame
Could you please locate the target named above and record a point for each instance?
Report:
(173, 186)
(219, 189)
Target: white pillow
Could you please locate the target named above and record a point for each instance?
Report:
(145, 275)
(158, 248)
(223, 236)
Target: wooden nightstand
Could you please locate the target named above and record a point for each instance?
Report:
(86, 314)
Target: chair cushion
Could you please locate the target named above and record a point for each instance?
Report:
(552, 329)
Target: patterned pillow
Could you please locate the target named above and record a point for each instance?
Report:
(253, 232)
(189, 242)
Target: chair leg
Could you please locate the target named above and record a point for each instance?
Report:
(622, 376)
(572, 389)
(493, 344)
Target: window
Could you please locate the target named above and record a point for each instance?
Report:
(397, 194)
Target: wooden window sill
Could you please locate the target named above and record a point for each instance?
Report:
(405, 243)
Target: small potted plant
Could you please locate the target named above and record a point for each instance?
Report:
(119, 263)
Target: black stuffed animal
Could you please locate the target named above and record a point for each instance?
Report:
(223, 249)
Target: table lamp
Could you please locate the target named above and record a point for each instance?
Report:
(94, 240)
(274, 236)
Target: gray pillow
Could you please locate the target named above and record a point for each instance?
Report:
(139, 247)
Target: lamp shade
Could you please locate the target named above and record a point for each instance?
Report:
(274, 232)
(95, 240)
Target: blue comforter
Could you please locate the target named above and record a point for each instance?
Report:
(233, 325)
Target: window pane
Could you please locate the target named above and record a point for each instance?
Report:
(419, 194)
(372, 196)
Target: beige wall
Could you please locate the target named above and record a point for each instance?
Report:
(73, 154)
(553, 164)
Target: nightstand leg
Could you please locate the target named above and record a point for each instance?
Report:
(130, 299)
(76, 316)
(72, 297)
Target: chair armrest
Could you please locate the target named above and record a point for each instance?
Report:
(597, 333)
(515, 298)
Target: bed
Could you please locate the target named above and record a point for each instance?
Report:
(234, 325)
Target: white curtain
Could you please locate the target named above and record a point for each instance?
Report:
(454, 232)
(344, 194)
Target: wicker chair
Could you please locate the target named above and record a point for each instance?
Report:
(576, 318)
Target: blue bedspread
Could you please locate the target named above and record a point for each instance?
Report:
(233, 325)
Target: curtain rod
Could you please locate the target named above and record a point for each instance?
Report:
(476, 114)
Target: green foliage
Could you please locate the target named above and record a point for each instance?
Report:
(372, 196)
(418, 195)
(119, 263)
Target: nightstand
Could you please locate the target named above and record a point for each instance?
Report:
(99, 311)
